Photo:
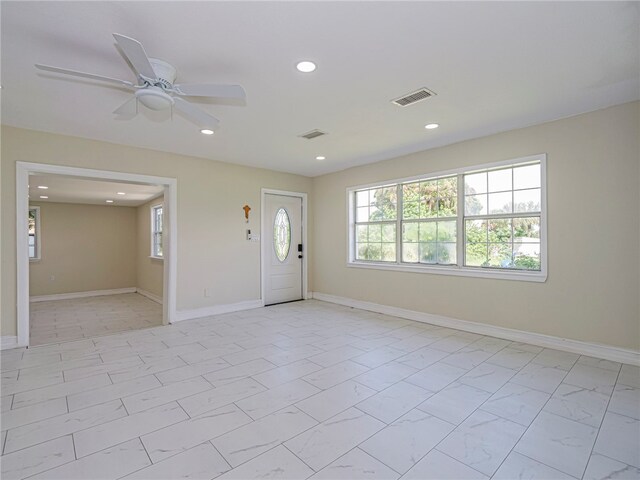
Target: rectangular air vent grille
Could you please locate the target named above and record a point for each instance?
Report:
(312, 134)
(413, 97)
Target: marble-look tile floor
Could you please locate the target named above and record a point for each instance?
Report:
(314, 390)
(55, 321)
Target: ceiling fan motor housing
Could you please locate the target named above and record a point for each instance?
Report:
(154, 98)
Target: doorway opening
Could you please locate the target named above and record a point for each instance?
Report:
(96, 252)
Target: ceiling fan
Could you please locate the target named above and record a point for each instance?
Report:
(155, 88)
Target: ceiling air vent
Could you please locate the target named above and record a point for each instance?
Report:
(413, 97)
(312, 134)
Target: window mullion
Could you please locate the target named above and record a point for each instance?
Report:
(460, 250)
(399, 209)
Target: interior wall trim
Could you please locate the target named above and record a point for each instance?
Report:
(608, 352)
(149, 295)
(217, 310)
(8, 341)
(91, 293)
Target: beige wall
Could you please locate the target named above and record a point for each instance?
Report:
(84, 248)
(212, 250)
(149, 270)
(592, 291)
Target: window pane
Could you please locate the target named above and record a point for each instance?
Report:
(411, 210)
(361, 233)
(362, 198)
(448, 187)
(281, 234)
(410, 232)
(476, 254)
(500, 180)
(362, 214)
(410, 252)
(429, 208)
(428, 253)
(369, 251)
(526, 177)
(447, 207)
(383, 201)
(475, 205)
(476, 231)
(447, 253)
(500, 202)
(526, 229)
(375, 233)
(527, 200)
(526, 256)
(500, 230)
(475, 183)
(389, 252)
(500, 255)
(428, 231)
(411, 192)
(447, 231)
(388, 233)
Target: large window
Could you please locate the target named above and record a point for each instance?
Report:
(156, 231)
(34, 233)
(482, 221)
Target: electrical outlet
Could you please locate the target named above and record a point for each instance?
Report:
(52, 278)
(207, 293)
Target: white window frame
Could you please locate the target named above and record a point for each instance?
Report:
(38, 236)
(459, 269)
(153, 210)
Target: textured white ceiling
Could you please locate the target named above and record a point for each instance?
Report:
(67, 189)
(494, 66)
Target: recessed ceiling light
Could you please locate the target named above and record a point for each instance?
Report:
(431, 126)
(306, 66)
(109, 201)
(320, 157)
(42, 187)
(120, 193)
(43, 196)
(206, 131)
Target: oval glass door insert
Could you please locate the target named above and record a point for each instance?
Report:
(282, 234)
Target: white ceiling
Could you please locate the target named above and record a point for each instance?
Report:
(494, 66)
(68, 189)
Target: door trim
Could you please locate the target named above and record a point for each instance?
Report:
(263, 246)
(22, 253)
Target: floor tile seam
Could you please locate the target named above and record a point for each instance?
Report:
(527, 429)
(61, 435)
(455, 460)
(593, 446)
(54, 398)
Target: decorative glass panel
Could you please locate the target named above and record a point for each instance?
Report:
(282, 234)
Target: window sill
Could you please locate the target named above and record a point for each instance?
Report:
(34, 260)
(153, 257)
(479, 272)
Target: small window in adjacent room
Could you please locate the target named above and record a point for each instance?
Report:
(156, 231)
(34, 233)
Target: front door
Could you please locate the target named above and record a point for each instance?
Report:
(283, 244)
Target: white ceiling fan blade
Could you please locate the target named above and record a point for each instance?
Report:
(134, 51)
(195, 114)
(75, 73)
(210, 90)
(128, 108)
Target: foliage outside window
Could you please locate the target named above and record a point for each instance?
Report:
(480, 219)
(156, 231)
(34, 233)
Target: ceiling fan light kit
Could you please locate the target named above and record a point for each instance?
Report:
(155, 88)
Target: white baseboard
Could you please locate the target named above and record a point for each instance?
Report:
(92, 293)
(216, 310)
(7, 342)
(607, 352)
(149, 295)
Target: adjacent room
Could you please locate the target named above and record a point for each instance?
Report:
(95, 257)
(327, 240)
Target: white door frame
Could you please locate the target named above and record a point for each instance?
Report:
(23, 169)
(263, 245)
